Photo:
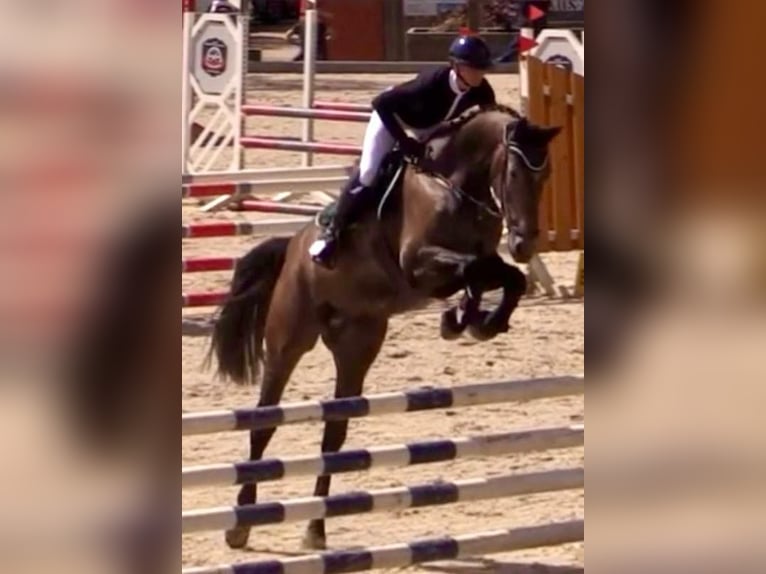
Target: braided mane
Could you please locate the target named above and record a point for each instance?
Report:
(455, 124)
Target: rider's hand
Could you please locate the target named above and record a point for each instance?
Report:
(413, 148)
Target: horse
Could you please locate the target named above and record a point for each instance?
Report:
(120, 379)
(437, 234)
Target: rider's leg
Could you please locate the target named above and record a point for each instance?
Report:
(377, 143)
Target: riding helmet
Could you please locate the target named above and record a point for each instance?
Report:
(471, 51)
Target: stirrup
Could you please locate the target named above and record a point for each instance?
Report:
(319, 246)
(323, 252)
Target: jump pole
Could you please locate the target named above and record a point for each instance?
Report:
(526, 35)
(309, 67)
(282, 226)
(391, 456)
(187, 21)
(315, 112)
(342, 106)
(423, 399)
(388, 499)
(410, 553)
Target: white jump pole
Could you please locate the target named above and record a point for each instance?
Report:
(309, 68)
(244, 64)
(186, 91)
(528, 34)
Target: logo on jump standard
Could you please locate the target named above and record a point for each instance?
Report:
(561, 61)
(214, 53)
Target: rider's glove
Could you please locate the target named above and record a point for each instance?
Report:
(413, 148)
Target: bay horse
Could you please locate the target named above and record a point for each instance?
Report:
(439, 236)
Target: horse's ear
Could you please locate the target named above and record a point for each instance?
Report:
(516, 129)
(548, 134)
(533, 134)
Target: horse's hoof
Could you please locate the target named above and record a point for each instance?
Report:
(237, 538)
(451, 328)
(481, 333)
(486, 328)
(313, 541)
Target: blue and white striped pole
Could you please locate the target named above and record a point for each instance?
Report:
(399, 498)
(386, 403)
(398, 455)
(408, 554)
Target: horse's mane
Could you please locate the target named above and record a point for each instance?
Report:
(455, 124)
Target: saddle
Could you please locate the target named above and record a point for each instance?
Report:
(386, 191)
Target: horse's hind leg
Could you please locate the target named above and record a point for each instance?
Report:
(291, 331)
(354, 344)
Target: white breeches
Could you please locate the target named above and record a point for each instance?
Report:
(377, 143)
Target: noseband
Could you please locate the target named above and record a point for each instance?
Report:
(516, 150)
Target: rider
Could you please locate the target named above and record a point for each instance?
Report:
(420, 104)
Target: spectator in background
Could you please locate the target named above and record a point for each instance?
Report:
(511, 53)
(297, 34)
(504, 13)
(507, 13)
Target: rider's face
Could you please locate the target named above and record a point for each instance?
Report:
(470, 76)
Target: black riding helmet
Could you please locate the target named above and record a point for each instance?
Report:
(471, 51)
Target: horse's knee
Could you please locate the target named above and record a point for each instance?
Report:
(516, 279)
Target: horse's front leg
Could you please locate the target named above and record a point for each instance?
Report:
(440, 273)
(489, 273)
(467, 312)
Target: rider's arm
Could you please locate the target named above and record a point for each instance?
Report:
(387, 103)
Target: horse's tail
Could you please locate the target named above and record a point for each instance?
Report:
(237, 340)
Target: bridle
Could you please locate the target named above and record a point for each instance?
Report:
(512, 148)
(497, 208)
(516, 150)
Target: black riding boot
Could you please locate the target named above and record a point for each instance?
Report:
(352, 200)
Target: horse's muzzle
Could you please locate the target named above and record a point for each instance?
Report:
(522, 248)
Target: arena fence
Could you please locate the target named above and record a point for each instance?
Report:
(557, 98)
